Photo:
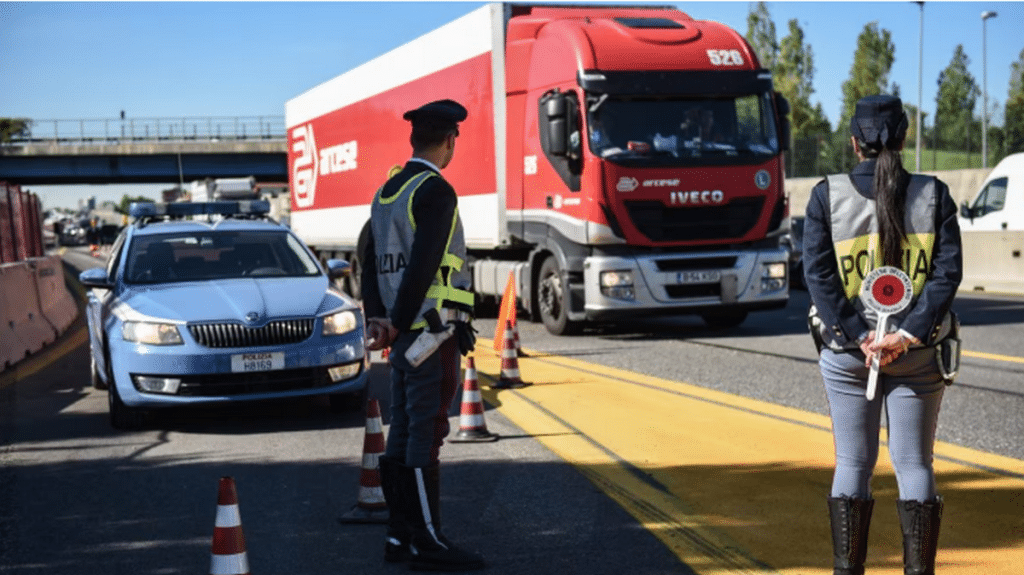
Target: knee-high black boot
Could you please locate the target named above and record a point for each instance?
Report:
(920, 522)
(429, 549)
(396, 543)
(850, 521)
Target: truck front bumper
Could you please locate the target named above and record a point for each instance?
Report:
(618, 287)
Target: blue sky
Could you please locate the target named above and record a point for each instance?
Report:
(85, 60)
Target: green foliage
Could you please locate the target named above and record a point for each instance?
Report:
(954, 105)
(869, 74)
(761, 35)
(1013, 130)
(14, 128)
(126, 202)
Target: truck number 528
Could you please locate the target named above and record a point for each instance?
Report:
(725, 57)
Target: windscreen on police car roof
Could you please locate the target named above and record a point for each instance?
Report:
(189, 256)
(683, 131)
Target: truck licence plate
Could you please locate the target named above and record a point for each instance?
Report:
(698, 277)
(265, 361)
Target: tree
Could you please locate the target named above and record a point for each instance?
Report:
(11, 128)
(761, 35)
(869, 74)
(1013, 128)
(794, 77)
(126, 202)
(954, 105)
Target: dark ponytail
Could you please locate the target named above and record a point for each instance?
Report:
(891, 182)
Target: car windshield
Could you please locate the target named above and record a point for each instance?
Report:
(683, 131)
(197, 256)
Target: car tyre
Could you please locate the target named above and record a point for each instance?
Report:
(122, 416)
(553, 300)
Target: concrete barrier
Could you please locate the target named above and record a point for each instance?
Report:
(963, 185)
(20, 310)
(55, 301)
(993, 261)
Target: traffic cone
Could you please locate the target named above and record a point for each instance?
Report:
(228, 556)
(471, 418)
(506, 313)
(370, 506)
(509, 377)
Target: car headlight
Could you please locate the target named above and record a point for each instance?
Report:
(617, 284)
(151, 333)
(339, 323)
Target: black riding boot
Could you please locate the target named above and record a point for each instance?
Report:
(850, 521)
(396, 543)
(920, 523)
(429, 549)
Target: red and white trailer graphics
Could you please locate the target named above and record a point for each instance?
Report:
(619, 161)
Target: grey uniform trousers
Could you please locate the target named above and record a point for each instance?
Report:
(910, 390)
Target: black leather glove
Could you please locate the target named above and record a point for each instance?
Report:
(466, 335)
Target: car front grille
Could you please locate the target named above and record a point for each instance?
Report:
(238, 335)
(222, 384)
(661, 223)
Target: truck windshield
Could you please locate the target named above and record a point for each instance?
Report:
(639, 131)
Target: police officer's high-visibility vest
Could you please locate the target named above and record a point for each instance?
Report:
(857, 242)
(393, 231)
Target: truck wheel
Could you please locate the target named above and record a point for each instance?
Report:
(724, 319)
(121, 415)
(553, 296)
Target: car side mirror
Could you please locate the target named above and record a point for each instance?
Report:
(95, 278)
(966, 211)
(338, 269)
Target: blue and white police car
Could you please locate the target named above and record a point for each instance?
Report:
(215, 302)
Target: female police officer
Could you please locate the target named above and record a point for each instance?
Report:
(417, 251)
(881, 215)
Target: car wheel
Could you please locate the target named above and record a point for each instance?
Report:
(122, 416)
(724, 319)
(553, 299)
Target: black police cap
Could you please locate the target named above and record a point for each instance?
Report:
(440, 111)
(879, 121)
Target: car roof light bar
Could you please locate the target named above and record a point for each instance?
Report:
(180, 209)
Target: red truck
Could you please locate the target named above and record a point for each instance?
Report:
(619, 161)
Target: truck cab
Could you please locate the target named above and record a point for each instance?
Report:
(999, 204)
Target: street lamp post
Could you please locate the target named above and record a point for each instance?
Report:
(984, 81)
(920, 86)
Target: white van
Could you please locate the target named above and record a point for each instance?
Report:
(992, 226)
(999, 205)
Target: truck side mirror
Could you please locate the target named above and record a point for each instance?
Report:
(785, 129)
(558, 134)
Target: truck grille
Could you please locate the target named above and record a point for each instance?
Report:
(238, 335)
(661, 223)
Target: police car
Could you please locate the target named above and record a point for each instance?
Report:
(214, 302)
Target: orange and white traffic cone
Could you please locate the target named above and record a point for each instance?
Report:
(509, 377)
(229, 556)
(370, 506)
(471, 417)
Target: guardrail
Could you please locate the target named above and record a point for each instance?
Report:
(116, 130)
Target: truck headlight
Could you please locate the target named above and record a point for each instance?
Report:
(773, 276)
(339, 323)
(151, 333)
(617, 284)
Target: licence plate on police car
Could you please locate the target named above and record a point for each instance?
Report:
(698, 277)
(265, 361)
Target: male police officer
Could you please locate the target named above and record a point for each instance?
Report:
(415, 288)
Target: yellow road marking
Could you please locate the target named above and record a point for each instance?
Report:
(735, 485)
(993, 356)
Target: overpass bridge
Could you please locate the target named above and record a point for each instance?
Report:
(146, 150)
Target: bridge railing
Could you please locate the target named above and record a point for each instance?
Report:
(116, 130)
